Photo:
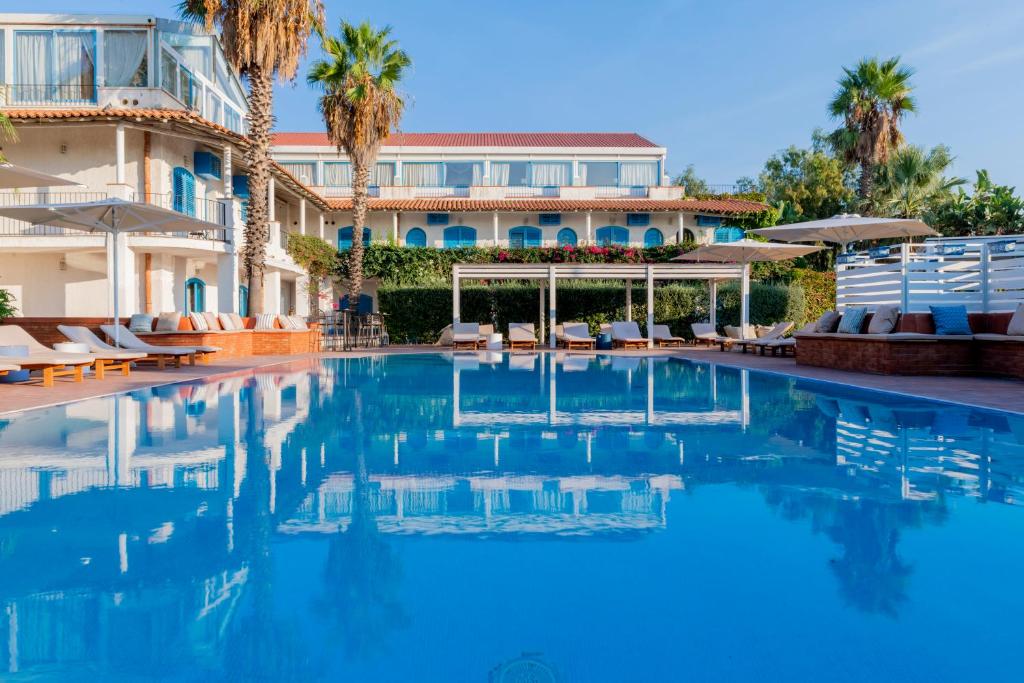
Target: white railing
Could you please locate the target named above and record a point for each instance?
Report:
(982, 274)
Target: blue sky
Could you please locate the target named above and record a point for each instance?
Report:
(722, 84)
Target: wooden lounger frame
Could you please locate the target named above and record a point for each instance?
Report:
(576, 344)
(629, 343)
(524, 344)
(50, 371)
(669, 342)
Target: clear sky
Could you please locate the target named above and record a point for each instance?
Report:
(721, 84)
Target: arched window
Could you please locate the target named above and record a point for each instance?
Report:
(728, 234)
(345, 237)
(613, 234)
(459, 236)
(566, 237)
(183, 191)
(524, 236)
(195, 296)
(653, 238)
(416, 238)
(688, 235)
(243, 301)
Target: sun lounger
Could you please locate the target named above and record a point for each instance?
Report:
(128, 340)
(465, 336)
(485, 336)
(773, 335)
(521, 336)
(575, 336)
(626, 335)
(113, 358)
(7, 367)
(663, 337)
(49, 362)
(704, 333)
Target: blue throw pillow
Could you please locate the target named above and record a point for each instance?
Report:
(853, 320)
(950, 320)
(141, 322)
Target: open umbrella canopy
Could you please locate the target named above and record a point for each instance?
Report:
(847, 228)
(746, 251)
(108, 215)
(13, 177)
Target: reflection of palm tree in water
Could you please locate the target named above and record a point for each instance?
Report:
(362, 571)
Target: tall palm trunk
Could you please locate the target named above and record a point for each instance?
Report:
(257, 155)
(355, 255)
(865, 184)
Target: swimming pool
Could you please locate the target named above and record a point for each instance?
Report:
(483, 517)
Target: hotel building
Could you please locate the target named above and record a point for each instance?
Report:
(148, 109)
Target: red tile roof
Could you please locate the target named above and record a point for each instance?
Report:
(452, 204)
(481, 140)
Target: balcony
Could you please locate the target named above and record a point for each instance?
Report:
(48, 94)
(496, 192)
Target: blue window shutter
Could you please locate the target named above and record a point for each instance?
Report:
(638, 220)
(567, 237)
(437, 219)
(240, 186)
(653, 238)
(345, 238)
(207, 165)
(613, 234)
(183, 187)
(709, 221)
(459, 236)
(524, 236)
(728, 234)
(416, 238)
(550, 219)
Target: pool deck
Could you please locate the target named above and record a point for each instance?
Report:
(981, 392)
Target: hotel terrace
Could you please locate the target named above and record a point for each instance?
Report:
(147, 109)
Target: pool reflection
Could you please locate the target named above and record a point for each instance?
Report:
(155, 530)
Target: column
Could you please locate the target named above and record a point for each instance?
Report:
(271, 192)
(321, 214)
(540, 315)
(394, 226)
(227, 282)
(713, 303)
(682, 229)
(497, 227)
(629, 300)
(121, 268)
(398, 172)
(745, 298)
(589, 235)
(302, 297)
(302, 215)
(119, 174)
(552, 312)
(272, 291)
(455, 295)
(650, 308)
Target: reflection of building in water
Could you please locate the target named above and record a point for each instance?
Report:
(491, 503)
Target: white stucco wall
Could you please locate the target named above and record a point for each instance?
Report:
(55, 284)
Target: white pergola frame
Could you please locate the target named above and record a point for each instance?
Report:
(648, 272)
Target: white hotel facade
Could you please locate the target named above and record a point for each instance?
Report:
(147, 109)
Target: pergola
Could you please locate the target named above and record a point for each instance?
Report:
(551, 273)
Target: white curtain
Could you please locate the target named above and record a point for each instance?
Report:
(478, 173)
(124, 52)
(337, 175)
(421, 175)
(548, 173)
(383, 174)
(638, 173)
(32, 62)
(499, 173)
(304, 172)
(75, 65)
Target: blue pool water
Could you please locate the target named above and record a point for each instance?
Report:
(486, 518)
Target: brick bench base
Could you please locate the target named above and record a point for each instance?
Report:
(921, 357)
(1000, 358)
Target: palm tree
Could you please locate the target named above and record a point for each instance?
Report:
(360, 107)
(871, 100)
(7, 133)
(261, 38)
(905, 185)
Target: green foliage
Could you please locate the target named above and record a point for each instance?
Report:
(316, 256)
(819, 291)
(911, 180)
(7, 307)
(419, 313)
(990, 209)
(694, 184)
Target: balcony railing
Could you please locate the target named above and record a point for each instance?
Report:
(520, 191)
(209, 210)
(454, 191)
(609, 191)
(50, 93)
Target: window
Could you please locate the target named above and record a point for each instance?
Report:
(524, 236)
(459, 236)
(383, 174)
(463, 173)
(304, 171)
(598, 173)
(638, 173)
(417, 174)
(638, 220)
(437, 219)
(183, 191)
(345, 237)
(185, 86)
(709, 221)
(54, 67)
(337, 174)
(195, 296)
(551, 173)
(653, 238)
(688, 236)
(566, 237)
(612, 234)
(550, 219)
(416, 238)
(124, 59)
(168, 72)
(243, 301)
(728, 234)
(510, 173)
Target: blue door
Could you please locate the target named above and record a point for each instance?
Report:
(195, 296)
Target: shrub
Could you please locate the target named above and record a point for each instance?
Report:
(7, 307)
(819, 291)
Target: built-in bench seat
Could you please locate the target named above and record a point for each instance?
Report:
(236, 343)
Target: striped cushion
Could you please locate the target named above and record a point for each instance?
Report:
(198, 322)
(226, 323)
(286, 322)
(265, 321)
(298, 322)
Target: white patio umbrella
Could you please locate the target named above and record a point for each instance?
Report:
(747, 251)
(110, 216)
(846, 228)
(13, 177)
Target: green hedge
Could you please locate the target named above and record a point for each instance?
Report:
(418, 313)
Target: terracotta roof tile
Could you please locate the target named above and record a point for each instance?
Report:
(481, 140)
(450, 204)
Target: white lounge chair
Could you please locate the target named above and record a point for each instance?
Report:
(128, 340)
(772, 336)
(575, 335)
(83, 335)
(626, 335)
(704, 333)
(663, 336)
(521, 336)
(50, 363)
(7, 367)
(465, 335)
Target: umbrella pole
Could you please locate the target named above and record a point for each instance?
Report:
(117, 274)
